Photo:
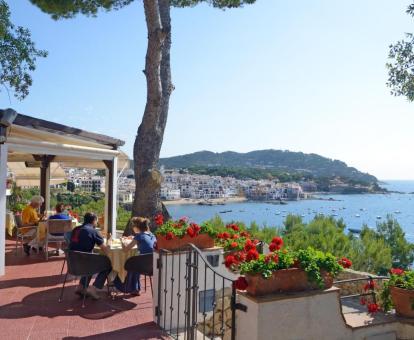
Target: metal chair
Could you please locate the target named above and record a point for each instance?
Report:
(56, 227)
(84, 264)
(141, 264)
(23, 231)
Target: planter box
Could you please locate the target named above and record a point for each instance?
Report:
(284, 280)
(201, 241)
(403, 300)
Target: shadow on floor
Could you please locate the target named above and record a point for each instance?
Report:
(143, 331)
(33, 282)
(45, 303)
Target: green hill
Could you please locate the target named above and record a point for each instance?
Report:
(285, 165)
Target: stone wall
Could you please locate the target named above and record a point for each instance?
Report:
(351, 288)
(219, 323)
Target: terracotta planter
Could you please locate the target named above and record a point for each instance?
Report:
(284, 280)
(201, 241)
(403, 300)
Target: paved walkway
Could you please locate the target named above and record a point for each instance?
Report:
(29, 307)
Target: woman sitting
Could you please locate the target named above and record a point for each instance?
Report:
(145, 241)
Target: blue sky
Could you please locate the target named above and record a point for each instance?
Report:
(295, 75)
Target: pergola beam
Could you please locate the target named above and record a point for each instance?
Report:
(111, 189)
(45, 161)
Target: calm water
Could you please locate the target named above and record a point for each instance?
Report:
(355, 210)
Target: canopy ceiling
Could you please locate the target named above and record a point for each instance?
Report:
(30, 177)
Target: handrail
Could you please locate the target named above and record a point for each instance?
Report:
(191, 245)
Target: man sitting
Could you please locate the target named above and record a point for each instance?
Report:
(31, 217)
(84, 238)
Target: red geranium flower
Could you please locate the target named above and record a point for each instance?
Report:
(249, 245)
(275, 258)
(233, 245)
(240, 283)
(220, 235)
(169, 235)
(344, 262)
(235, 237)
(159, 219)
(397, 271)
(369, 285)
(362, 301)
(191, 232)
(273, 247)
(244, 234)
(226, 235)
(240, 256)
(373, 308)
(230, 260)
(278, 241)
(252, 254)
(195, 226)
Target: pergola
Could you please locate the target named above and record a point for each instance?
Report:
(39, 143)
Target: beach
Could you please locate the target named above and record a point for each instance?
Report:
(213, 201)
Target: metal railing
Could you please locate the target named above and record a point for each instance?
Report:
(367, 279)
(193, 297)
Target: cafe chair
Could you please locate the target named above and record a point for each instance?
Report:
(84, 264)
(23, 232)
(141, 264)
(56, 227)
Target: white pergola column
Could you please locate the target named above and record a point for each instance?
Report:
(111, 190)
(3, 186)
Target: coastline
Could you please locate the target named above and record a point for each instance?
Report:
(213, 201)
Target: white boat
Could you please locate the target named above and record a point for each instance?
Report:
(397, 212)
(379, 217)
(357, 215)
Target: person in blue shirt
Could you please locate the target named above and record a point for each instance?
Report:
(60, 215)
(145, 241)
(84, 238)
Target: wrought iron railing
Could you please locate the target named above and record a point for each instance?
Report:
(367, 279)
(195, 297)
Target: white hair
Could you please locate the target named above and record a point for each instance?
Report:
(37, 199)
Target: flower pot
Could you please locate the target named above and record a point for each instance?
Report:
(403, 300)
(201, 241)
(284, 280)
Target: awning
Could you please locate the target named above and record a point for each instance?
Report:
(30, 177)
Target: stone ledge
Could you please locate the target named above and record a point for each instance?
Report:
(289, 295)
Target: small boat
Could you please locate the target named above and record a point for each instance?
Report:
(379, 217)
(277, 213)
(225, 211)
(397, 212)
(303, 215)
(355, 231)
(357, 215)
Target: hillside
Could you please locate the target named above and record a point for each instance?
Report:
(268, 163)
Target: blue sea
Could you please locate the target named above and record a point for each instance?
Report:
(355, 210)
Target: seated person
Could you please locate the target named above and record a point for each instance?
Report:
(60, 215)
(145, 241)
(84, 238)
(31, 217)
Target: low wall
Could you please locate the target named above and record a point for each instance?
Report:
(350, 288)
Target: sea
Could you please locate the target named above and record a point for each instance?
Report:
(355, 210)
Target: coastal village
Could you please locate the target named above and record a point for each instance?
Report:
(181, 186)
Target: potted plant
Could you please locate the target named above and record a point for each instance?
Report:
(173, 235)
(399, 292)
(283, 270)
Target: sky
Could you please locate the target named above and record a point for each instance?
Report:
(297, 75)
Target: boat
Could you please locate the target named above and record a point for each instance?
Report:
(225, 211)
(355, 231)
(397, 212)
(357, 215)
(277, 212)
(379, 217)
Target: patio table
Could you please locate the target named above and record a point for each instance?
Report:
(118, 257)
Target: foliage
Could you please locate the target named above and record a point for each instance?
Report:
(401, 66)
(399, 278)
(178, 229)
(402, 252)
(18, 55)
(371, 251)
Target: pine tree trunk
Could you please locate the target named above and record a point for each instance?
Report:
(151, 130)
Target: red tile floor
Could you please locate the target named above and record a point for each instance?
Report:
(29, 307)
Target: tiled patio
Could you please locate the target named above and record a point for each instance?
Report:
(29, 307)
